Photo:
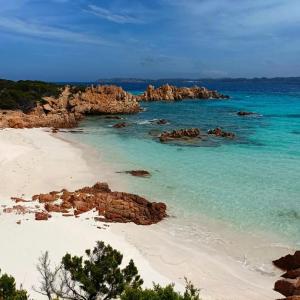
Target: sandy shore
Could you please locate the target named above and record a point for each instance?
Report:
(32, 161)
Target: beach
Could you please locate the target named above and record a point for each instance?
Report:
(34, 161)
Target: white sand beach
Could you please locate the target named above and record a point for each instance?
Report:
(33, 161)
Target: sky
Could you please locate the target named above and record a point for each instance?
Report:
(84, 40)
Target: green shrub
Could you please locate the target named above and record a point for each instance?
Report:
(8, 289)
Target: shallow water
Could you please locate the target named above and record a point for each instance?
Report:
(251, 183)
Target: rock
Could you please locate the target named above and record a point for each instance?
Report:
(171, 93)
(46, 198)
(120, 125)
(54, 130)
(112, 206)
(288, 287)
(113, 117)
(138, 173)
(288, 262)
(292, 274)
(162, 122)
(71, 106)
(41, 216)
(220, 133)
(245, 113)
(180, 134)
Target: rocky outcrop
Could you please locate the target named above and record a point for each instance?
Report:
(219, 132)
(120, 125)
(71, 106)
(138, 173)
(245, 113)
(171, 93)
(289, 285)
(110, 206)
(182, 134)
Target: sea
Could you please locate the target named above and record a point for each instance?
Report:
(249, 185)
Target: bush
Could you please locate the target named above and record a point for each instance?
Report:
(97, 277)
(161, 293)
(8, 289)
(24, 94)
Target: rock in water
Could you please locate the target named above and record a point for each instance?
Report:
(245, 113)
(221, 133)
(138, 173)
(120, 125)
(171, 93)
(180, 134)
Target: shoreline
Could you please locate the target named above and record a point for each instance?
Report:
(218, 276)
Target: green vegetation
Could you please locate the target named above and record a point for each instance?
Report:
(161, 293)
(98, 276)
(24, 94)
(8, 289)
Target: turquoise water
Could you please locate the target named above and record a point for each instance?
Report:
(252, 183)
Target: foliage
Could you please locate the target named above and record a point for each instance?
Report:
(161, 293)
(24, 94)
(8, 289)
(97, 277)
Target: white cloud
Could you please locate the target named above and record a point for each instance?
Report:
(26, 28)
(121, 18)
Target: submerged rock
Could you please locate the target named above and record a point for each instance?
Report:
(138, 173)
(180, 134)
(161, 122)
(221, 133)
(120, 125)
(245, 113)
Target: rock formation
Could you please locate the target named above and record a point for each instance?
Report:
(221, 133)
(171, 93)
(182, 134)
(289, 286)
(245, 113)
(111, 206)
(71, 106)
(138, 173)
(120, 125)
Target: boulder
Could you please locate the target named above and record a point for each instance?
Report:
(288, 262)
(288, 287)
(245, 113)
(138, 173)
(41, 216)
(120, 125)
(180, 134)
(221, 133)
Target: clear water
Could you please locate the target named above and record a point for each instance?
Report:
(252, 183)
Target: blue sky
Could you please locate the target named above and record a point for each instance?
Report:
(82, 40)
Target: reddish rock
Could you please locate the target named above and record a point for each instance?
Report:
(138, 173)
(288, 262)
(221, 133)
(43, 198)
(171, 93)
(288, 287)
(41, 216)
(120, 125)
(180, 134)
(292, 274)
